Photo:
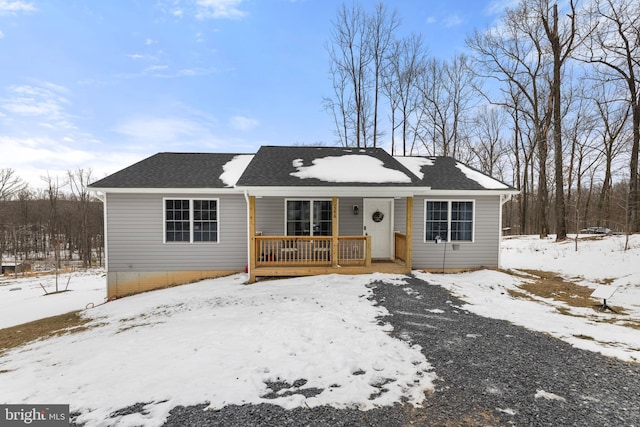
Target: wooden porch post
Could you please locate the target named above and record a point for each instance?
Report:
(334, 231)
(252, 239)
(409, 232)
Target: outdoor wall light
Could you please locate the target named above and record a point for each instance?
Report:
(356, 210)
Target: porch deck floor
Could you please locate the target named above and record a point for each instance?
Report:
(377, 266)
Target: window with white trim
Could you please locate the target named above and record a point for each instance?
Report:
(308, 218)
(449, 220)
(191, 220)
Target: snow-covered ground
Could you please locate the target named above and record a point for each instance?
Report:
(597, 262)
(24, 300)
(229, 341)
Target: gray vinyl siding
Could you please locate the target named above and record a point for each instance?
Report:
(400, 215)
(135, 235)
(270, 216)
(349, 224)
(482, 252)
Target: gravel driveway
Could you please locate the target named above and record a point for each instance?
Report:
(490, 373)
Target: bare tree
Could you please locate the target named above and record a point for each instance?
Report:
(580, 131)
(489, 146)
(612, 116)
(350, 53)
(53, 195)
(562, 44)
(78, 181)
(447, 93)
(358, 48)
(514, 55)
(382, 26)
(341, 106)
(10, 186)
(614, 48)
(405, 65)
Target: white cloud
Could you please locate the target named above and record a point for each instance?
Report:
(498, 7)
(149, 42)
(243, 123)
(431, 20)
(35, 157)
(12, 7)
(172, 133)
(159, 129)
(1, 35)
(157, 67)
(164, 71)
(452, 21)
(44, 100)
(219, 9)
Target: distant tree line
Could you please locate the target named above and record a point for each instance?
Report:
(61, 222)
(548, 100)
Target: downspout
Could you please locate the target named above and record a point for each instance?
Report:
(103, 197)
(504, 198)
(246, 199)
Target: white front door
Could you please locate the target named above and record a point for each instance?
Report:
(378, 223)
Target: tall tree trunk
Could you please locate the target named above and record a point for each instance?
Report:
(561, 222)
(634, 220)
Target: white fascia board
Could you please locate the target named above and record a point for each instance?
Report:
(420, 191)
(329, 191)
(216, 190)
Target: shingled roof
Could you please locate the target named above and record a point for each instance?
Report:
(305, 166)
(300, 167)
(446, 173)
(171, 170)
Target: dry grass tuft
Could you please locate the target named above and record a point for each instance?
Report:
(550, 285)
(584, 337)
(19, 335)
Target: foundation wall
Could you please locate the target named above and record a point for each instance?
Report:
(120, 284)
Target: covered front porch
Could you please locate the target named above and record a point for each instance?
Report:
(278, 255)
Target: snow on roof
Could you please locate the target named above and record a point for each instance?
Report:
(414, 164)
(234, 168)
(341, 169)
(482, 179)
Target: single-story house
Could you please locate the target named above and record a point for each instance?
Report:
(174, 218)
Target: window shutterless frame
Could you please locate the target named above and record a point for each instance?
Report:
(190, 220)
(450, 220)
(307, 217)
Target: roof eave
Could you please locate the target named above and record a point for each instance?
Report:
(329, 191)
(484, 192)
(157, 190)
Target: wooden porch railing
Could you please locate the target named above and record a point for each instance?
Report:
(311, 250)
(400, 246)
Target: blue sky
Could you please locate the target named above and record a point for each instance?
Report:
(102, 84)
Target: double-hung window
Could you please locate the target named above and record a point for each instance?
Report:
(308, 218)
(191, 220)
(451, 221)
